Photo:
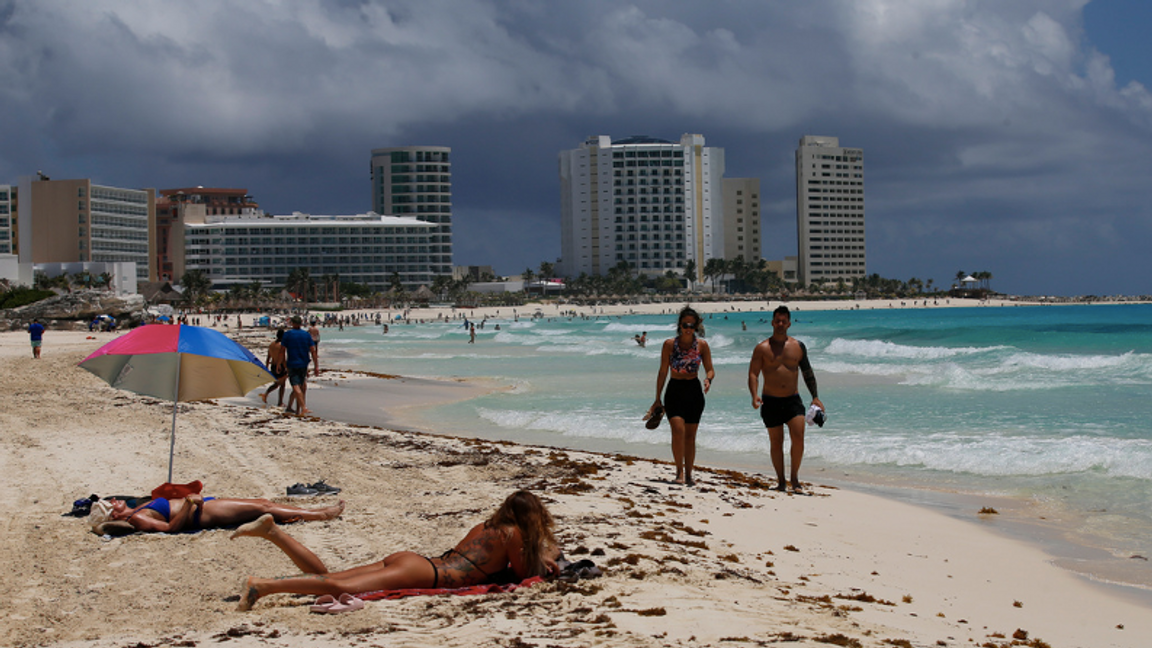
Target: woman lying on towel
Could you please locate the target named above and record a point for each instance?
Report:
(194, 512)
(518, 535)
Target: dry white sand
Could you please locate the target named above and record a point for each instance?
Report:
(728, 563)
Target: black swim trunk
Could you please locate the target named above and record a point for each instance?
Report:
(684, 398)
(776, 411)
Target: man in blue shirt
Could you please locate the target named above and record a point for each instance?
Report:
(36, 330)
(300, 349)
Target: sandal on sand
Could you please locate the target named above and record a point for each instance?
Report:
(328, 604)
(323, 605)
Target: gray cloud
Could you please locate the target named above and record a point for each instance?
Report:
(994, 132)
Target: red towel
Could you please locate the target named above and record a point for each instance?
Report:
(456, 591)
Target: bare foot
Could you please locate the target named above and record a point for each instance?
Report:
(305, 411)
(335, 510)
(781, 485)
(261, 527)
(248, 594)
(264, 397)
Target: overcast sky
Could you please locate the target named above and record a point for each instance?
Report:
(1013, 137)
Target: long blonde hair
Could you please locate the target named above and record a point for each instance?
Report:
(526, 512)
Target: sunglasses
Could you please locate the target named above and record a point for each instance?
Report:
(691, 327)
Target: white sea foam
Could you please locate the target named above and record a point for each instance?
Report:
(989, 454)
(890, 350)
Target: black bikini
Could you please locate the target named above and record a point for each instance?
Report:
(444, 556)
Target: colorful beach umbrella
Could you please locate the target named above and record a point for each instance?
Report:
(181, 363)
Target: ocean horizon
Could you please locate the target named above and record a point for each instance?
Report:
(1045, 406)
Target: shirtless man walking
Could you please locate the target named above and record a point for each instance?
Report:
(782, 359)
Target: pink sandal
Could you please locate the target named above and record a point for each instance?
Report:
(329, 604)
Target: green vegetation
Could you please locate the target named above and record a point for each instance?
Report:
(22, 296)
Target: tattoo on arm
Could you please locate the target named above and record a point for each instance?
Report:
(806, 370)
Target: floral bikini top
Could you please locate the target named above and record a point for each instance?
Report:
(685, 360)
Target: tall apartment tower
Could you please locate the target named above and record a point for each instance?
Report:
(652, 203)
(829, 210)
(416, 182)
(742, 219)
(63, 221)
(7, 219)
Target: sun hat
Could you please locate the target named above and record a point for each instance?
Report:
(100, 519)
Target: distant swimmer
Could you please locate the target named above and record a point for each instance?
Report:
(641, 339)
(781, 359)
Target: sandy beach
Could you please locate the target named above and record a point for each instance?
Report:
(728, 563)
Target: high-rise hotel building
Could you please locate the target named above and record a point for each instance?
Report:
(829, 210)
(652, 203)
(416, 182)
(67, 221)
(7, 219)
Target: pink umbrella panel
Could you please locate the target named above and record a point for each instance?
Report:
(178, 363)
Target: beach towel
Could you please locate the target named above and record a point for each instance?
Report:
(491, 588)
(169, 490)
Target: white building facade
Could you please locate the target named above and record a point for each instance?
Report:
(7, 219)
(829, 211)
(362, 248)
(416, 182)
(652, 203)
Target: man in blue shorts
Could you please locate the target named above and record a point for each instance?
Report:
(300, 349)
(781, 359)
(36, 330)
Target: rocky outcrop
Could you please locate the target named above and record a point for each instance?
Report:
(76, 310)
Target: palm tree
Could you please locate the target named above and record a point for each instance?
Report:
(528, 276)
(300, 284)
(196, 285)
(713, 269)
(960, 278)
(690, 272)
(440, 285)
(547, 270)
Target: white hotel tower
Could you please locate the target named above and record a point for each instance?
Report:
(653, 203)
(829, 210)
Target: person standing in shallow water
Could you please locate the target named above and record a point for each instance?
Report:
(781, 359)
(681, 358)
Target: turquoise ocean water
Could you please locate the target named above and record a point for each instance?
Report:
(1049, 405)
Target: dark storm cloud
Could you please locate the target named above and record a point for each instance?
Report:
(996, 135)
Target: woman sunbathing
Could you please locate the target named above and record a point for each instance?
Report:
(518, 535)
(194, 512)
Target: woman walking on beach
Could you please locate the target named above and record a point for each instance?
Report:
(681, 358)
(517, 536)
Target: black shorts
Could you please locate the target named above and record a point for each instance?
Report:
(685, 399)
(776, 411)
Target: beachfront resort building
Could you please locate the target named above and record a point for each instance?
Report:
(175, 206)
(651, 203)
(416, 182)
(7, 219)
(829, 210)
(70, 221)
(363, 248)
(741, 198)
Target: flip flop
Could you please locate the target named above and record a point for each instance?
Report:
(346, 603)
(323, 605)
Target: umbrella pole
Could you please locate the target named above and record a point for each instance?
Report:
(175, 402)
